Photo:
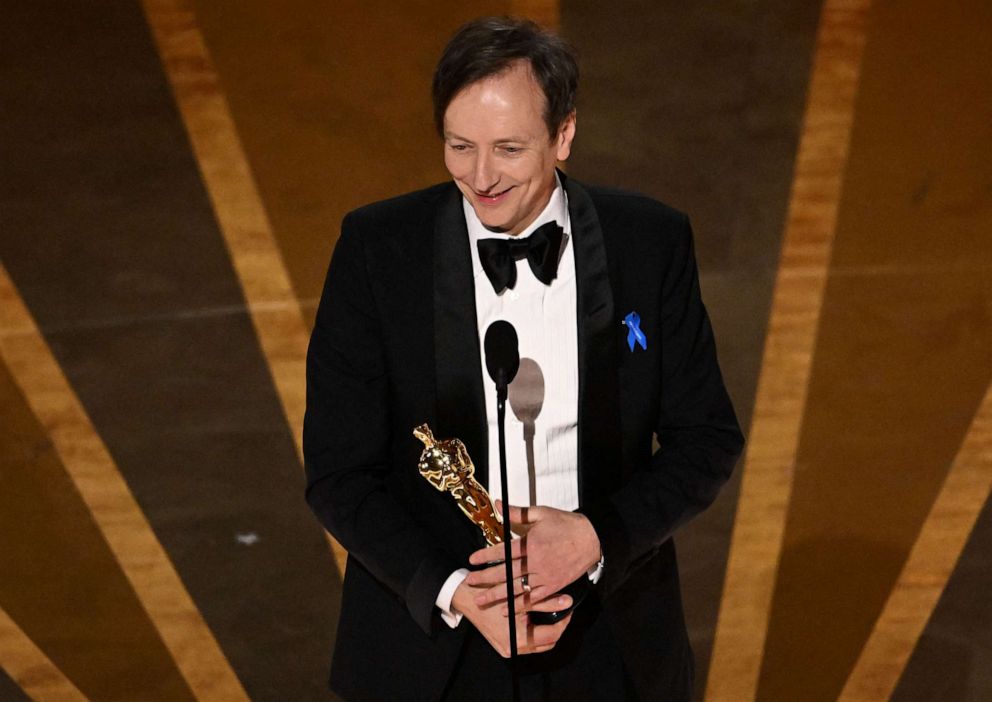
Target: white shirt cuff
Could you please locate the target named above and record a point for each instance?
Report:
(443, 601)
(596, 571)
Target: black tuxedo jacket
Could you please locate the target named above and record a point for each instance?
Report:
(396, 344)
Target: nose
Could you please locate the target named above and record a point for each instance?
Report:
(485, 175)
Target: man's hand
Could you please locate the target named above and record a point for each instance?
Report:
(556, 548)
(493, 624)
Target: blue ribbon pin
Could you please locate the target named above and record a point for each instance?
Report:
(634, 333)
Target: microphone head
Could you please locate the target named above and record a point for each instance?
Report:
(502, 353)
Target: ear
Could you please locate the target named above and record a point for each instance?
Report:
(563, 141)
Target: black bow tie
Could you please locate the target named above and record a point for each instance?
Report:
(499, 256)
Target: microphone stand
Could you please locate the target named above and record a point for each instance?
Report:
(501, 392)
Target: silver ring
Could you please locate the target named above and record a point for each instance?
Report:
(524, 584)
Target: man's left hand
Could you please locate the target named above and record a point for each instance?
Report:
(556, 547)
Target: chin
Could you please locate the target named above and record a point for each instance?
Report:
(494, 227)
(490, 222)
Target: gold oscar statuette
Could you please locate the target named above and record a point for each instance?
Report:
(446, 465)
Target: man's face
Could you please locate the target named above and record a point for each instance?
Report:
(498, 150)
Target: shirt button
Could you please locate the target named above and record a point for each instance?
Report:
(514, 295)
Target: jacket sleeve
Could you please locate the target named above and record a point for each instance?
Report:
(346, 439)
(699, 439)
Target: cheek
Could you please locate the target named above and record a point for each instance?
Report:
(530, 169)
(451, 164)
(459, 166)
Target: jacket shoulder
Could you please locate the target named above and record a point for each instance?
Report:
(636, 226)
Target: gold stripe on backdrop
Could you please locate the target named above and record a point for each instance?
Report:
(789, 347)
(929, 566)
(30, 668)
(244, 224)
(114, 509)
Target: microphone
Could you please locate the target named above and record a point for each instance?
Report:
(502, 362)
(502, 354)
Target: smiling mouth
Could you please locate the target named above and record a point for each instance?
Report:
(493, 199)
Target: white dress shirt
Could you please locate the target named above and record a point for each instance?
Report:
(544, 317)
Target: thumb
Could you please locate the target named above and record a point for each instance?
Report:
(520, 515)
(524, 515)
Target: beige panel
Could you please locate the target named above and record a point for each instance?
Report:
(111, 503)
(781, 397)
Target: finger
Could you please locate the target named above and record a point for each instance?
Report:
(532, 637)
(522, 598)
(525, 628)
(522, 518)
(547, 604)
(492, 554)
(494, 575)
(528, 601)
(529, 649)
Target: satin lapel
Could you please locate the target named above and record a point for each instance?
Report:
(461, 411)
(600, 447)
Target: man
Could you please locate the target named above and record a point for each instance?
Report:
(606, 302)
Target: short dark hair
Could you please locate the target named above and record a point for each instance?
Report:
(488, 46)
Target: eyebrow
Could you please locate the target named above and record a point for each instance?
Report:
(504, 140)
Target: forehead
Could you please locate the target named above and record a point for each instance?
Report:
(511, 99)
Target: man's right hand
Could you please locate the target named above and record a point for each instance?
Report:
(494, 626)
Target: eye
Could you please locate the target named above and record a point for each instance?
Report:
(512, 150)
(458, 147)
